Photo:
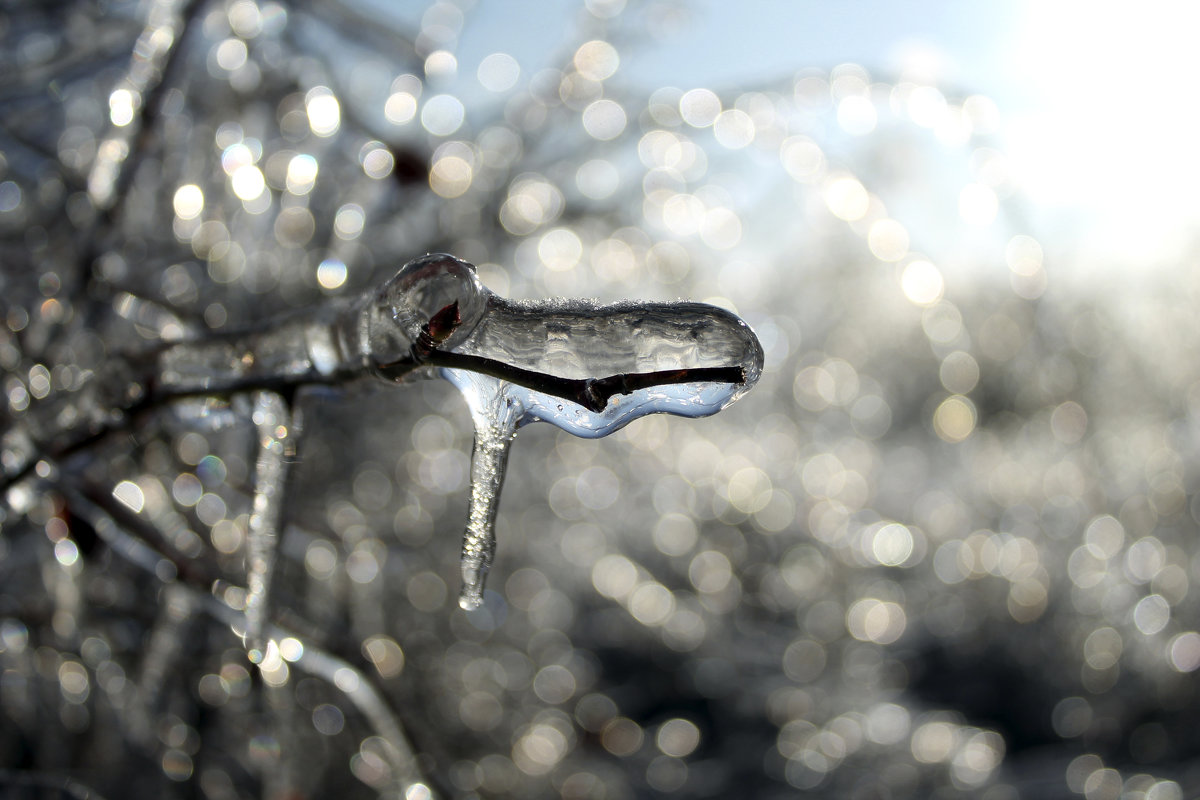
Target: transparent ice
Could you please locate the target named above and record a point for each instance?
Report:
(793, 540)
(586, 368)
(573, 345)
(272, 422)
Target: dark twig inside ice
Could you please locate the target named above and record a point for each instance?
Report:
(558, 361)
(591, 393)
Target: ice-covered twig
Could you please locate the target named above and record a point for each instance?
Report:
(586, 368)
(272, 424)
(135, 102)
(163, 653)
(371, 704)
(561, 362)
(312, 659)
(593, 394)
(129, 547)
(582, 353)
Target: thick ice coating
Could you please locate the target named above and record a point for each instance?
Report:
(589, 369)
(688, 359)
(433, 288)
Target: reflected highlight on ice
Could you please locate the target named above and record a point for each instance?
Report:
(588, 369)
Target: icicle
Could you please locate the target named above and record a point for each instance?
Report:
(588, 369)
(496, 419)
(271, 421)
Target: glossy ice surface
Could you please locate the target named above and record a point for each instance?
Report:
(555, 346)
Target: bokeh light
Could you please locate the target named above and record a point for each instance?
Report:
(945, 548)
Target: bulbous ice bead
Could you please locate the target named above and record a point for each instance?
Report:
(437, 294)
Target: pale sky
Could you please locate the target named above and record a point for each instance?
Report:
(1098, 106)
